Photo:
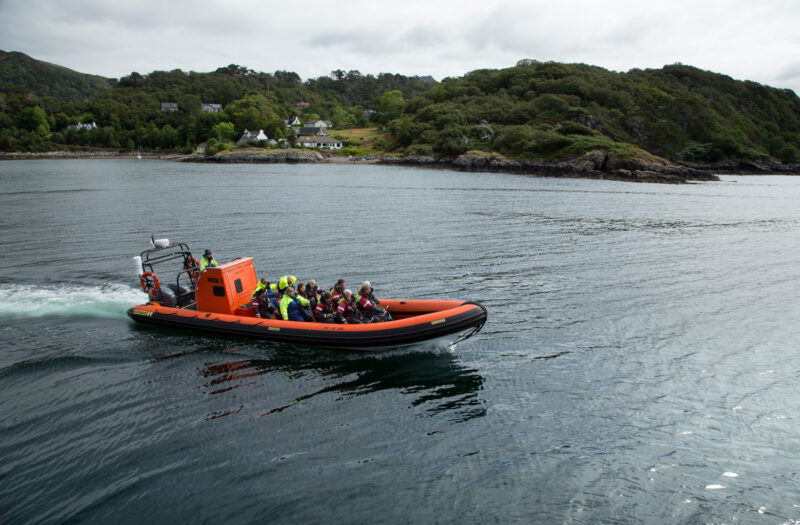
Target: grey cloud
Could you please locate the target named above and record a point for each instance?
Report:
(789, 73)
(366, 42)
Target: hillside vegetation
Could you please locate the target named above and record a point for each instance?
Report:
(535, 110)
(545, 110)
(48, 80)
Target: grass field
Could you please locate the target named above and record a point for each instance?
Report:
(364, 139)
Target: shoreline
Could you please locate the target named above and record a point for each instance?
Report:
(597, 165)
(94, 154)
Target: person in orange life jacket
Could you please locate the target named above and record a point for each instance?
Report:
(337, 292)
(347, 310)
(323, 313)
(207, 260)
(291, 306)
(367, 304)
(262, 305)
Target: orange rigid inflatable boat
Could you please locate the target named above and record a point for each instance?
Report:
(217, 301)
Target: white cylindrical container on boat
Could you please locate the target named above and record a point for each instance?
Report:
(161, 243)
(137, 264)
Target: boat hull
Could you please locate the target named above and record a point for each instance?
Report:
(415, 321)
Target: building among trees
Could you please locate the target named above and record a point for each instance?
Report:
(321, 142)
(251, 136)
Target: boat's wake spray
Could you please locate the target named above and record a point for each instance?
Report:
(30, 300)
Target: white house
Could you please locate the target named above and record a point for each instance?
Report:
(311, 130)
(249, 136)
(318, 141)
(169, 106)
(319, 124)
(211, 108)
(294, 121)
(83, 125)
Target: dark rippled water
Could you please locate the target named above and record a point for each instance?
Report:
(639, 364)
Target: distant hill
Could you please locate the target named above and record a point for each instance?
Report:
(551, 109)
(534, 111)
(48, 80)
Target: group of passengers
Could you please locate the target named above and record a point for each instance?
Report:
(307, 302)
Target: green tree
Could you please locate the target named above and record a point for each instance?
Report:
(390, 106)
(224, 131)
(34, 119)
(789, 154)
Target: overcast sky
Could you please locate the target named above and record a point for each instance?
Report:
(747, 39)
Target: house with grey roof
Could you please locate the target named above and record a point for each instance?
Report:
(211, 108)
(319, 124)
(312, 131)
(250, 136)
(316, 141)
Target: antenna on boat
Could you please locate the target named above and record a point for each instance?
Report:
(153, 240)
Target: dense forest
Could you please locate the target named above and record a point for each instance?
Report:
(536, 110)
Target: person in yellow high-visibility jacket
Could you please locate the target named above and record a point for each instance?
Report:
(283, 282)
(292, 306)
(262, 285)
(207, 260)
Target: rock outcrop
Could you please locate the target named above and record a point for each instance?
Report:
(261, 157)
(594, 164)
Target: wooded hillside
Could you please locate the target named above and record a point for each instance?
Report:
(535, 110)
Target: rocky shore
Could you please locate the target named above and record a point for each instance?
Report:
(593, 165)
(94, 154)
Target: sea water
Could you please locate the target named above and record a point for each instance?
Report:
(639, 363)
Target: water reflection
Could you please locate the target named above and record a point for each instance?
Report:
(436, 381)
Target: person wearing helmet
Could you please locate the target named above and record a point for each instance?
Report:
(207, 260)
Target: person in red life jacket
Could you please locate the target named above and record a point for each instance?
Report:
(312, 293)
(262, 304)
(347, 310)
(323, 313)
(367, 307)
(337, 292)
